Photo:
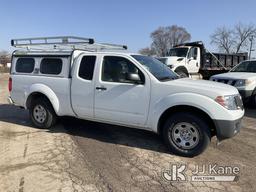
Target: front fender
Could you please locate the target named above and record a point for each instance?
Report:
(206, 104)
(45, 90)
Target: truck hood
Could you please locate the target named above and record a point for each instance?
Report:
(207, 88)
(173, 60)
(235, 75)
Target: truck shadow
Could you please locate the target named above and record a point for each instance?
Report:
(14, 115)
(80, 129)
(113, 134)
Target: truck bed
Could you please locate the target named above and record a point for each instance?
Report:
(227, 61)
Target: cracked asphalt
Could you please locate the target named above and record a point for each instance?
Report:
(80, 155)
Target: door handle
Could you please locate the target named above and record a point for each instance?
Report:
(101, 88)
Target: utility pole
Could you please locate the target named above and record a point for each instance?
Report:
(251, 39)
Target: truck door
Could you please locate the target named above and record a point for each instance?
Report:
(82, 87)
(118, 99)
(193, 63)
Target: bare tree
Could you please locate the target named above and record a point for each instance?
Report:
(164, 38)
(147, 51)
(233, 40)
(242, 33)
(4, 57)
(223, 38)
(160, 41)
(177, 35)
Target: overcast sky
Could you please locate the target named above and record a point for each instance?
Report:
(115, 21)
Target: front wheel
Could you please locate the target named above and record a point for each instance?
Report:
(182, 74)
(253, 99)
(42, 113)
(186, 134)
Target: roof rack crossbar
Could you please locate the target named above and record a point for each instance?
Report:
(102, 46)
(51, 41)
(64, 43)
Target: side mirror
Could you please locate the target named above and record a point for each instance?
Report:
(133, 77)
(191, 58)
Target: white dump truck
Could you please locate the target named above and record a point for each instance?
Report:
(192, 59)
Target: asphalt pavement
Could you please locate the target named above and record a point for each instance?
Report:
(81, 155)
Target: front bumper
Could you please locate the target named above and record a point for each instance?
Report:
(227, 129)
(245, 94)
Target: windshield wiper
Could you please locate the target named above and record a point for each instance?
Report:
(167, 78)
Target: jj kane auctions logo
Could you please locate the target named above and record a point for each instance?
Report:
(210, 173)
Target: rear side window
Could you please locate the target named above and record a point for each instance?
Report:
(87, 67)
(51, 66)
(25, 65)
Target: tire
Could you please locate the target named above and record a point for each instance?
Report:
(253, 99)
(42, 113)
(186, 134)
(182, 74)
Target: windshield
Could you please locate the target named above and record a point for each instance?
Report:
(247, 66)
(178, 52)
(161, 71)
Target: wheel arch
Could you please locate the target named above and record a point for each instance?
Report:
(182, 69)
(254, 91)
(253, 97)
(43, 91)
(185, 108)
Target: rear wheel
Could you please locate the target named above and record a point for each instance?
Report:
(186, 134)
(42, 113)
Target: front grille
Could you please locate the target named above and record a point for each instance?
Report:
(239, 102)
(226, 81)
(233, 83)
(223, 81)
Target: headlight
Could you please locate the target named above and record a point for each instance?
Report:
(240, 83)
(243, 82)
(228, 102)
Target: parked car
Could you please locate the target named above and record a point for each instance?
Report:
(243, 77)
(73, 78)
(192, 59)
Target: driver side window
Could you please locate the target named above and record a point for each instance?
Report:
(116, 69)
(193, 53)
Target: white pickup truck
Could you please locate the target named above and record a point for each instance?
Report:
(123, 89)
(243, 77)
